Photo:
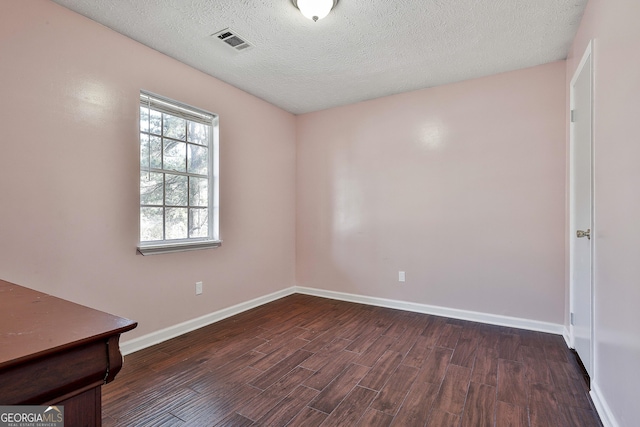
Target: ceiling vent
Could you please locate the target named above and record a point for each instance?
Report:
(232, 39)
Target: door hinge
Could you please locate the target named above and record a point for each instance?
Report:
(571, 318)
(573, 116)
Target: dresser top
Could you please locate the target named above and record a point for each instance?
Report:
(34, 324)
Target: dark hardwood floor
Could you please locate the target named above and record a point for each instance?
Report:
(308, 361)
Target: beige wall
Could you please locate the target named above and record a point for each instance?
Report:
(613, 25)
(461, 186)
(69, 174)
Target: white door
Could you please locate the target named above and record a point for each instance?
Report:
(581, 224)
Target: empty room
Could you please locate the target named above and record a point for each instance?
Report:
(320, 212)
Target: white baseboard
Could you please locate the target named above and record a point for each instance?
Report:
(136, 344)
(474, 316)
(567, 337)
(131, 346)
(607, 418)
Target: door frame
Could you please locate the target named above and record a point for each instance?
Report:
(588, 55)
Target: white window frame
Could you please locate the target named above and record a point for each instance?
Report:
(175, 108)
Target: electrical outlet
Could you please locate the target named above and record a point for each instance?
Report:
(401, 276)
(198, 288)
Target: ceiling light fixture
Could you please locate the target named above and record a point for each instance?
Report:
(315, 9)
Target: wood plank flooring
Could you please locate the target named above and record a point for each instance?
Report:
(308, 361)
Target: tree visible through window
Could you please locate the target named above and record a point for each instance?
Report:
(178, 176)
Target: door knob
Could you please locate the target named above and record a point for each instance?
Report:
(581, 233)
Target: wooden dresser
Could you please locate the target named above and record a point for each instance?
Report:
(54, 351)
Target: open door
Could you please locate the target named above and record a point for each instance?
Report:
(581, 210)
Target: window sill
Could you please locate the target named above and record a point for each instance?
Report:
(165, 248)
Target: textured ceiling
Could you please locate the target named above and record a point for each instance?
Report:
(364, 49)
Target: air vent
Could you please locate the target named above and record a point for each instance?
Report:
(232, 39)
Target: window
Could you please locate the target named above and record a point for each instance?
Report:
(178, 176)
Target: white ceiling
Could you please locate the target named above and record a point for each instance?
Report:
(364, 49)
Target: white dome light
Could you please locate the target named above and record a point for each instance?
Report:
(315, 9)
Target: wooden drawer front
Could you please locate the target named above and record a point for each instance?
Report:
(53, 375)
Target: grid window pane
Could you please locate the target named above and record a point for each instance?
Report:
(151, 224)
(144, 150)
(176, 223)
(176, 190)
(151, 188)
(144, 119)
(198, 159)
(174, 127)
(175, 156)
(151, 159)
(198, 192)
(155, 122)
(198, 223)
(198, 133)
